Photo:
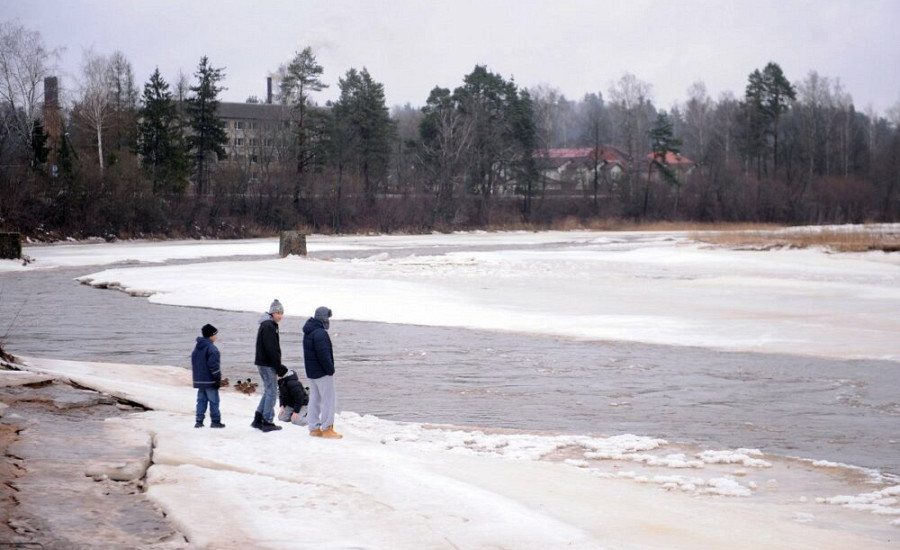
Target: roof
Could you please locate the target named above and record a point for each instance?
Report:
(559, 156)
(254, 111)
(672, 159)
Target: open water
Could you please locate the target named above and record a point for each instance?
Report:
(842, 411)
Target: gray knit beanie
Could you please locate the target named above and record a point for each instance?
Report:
(323, 314)
(276, 307)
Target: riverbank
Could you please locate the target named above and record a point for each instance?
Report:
(403, 485)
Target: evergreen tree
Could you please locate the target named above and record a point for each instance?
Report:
(663, 143)
(207, 129)
(160, 143)
(766, 98)
(504, 134)
(776, 101)
(365, 128)
(755, 121)
(299, 78)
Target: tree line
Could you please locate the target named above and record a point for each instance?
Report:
(119, 159)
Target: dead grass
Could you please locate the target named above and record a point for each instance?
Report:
(858, 238)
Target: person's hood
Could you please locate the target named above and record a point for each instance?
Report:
(203, 343)
(290, 375)
(312, 324)
(266, 317)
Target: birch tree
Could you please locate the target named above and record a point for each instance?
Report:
(24, 63)
(96, 105)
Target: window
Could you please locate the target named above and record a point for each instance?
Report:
(254, 142)
(239, 142)
(238, 124)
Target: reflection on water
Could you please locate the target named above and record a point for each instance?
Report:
(843, 411)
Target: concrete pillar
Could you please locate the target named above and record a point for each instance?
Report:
(292, 242)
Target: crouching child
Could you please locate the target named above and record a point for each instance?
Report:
(207, 375)
(292, 397)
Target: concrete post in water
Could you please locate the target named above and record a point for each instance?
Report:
(11, 246)
(292, 242)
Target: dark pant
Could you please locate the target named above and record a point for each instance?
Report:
(211, 396)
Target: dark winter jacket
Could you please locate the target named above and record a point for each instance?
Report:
(205, 364)
(268, 343)
(291, 393)
(318, 357)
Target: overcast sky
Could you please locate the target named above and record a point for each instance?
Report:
(412, 46)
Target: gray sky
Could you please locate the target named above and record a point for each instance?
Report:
(577, 46)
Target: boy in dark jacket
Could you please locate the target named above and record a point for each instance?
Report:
(292, 398)
(318, 358)
(207, 376)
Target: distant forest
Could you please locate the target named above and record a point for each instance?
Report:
(117, 158)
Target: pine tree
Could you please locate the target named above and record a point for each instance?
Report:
(160, 143)
(365, 127)
(207, 129)
(299, 78)
(662, 143)
(778, 93)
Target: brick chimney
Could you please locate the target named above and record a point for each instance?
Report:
(268, 90)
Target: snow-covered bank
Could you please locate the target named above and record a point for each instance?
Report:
(642, 287)
(395, 485)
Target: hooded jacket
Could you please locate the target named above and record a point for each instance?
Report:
(205, 364)
(318, 357)
(268, 343)
(291, 393)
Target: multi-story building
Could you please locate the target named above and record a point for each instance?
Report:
(260, 135)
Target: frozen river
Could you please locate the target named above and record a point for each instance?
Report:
(839, 410)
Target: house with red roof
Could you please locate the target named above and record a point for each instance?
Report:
(568, 171)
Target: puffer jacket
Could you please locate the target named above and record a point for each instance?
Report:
(205, 364)
(318, 357)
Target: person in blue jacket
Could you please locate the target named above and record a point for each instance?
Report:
(207, 374)
(318, 358)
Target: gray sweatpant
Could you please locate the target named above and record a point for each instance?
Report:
(322, 402)
(285, 416)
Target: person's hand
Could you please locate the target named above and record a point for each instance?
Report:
(218, 384)
(294, 416)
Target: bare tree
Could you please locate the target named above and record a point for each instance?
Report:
(893, 114)
(24, 63)
(631, 100)
(182, 86)
(96, 104)
(698, 112)
(631, 107)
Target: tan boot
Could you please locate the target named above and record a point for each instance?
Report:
(316, 433)
(330, 433)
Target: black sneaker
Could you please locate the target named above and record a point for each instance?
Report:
(198, 425)
(217, 425)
